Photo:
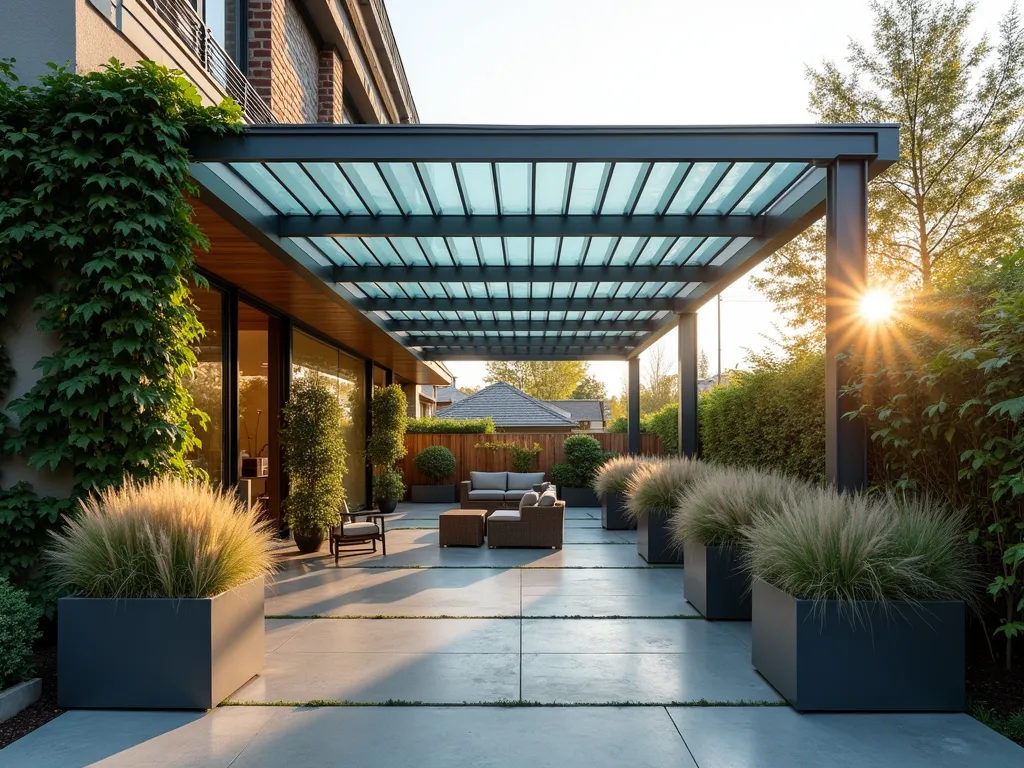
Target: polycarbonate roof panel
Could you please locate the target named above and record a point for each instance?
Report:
(504, 239)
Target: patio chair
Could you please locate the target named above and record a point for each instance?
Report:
(351, 530)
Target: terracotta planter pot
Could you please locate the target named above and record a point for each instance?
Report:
(308, 542)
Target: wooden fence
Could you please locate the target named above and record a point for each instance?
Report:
(469, 458)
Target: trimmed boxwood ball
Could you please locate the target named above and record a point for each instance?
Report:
(583, 457)
(19, 628)
(436, 462)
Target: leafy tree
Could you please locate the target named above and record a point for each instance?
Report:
(546, 380)
(703, 366)
(660, 385)
(590, 388)
(956, 197)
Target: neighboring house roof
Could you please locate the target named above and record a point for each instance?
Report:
(448, 394)
(509, 407)
(581, 410)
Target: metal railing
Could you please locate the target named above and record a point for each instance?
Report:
(182, 18)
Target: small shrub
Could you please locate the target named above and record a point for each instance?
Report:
(823, 545)
(654, 488)
(388, 420)
(583, 457)
(19, 628)
(522, 456)
(436, 462)
(716, 507)
(664, 423)
(442, 426)
(160, 538)
(388, 485)
(615, 473)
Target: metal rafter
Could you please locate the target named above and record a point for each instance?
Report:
(522, 326)
(527, 274)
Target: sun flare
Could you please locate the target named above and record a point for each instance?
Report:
(877, 305)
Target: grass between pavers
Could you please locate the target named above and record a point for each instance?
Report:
(1010, 726)
(501, 703)
(377, 616)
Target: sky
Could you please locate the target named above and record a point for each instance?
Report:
(657, 62)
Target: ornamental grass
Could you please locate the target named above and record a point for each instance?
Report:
(160, 538)
(615, 473)
(654, 488)
(714, 509)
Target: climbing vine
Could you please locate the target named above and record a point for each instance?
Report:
(95, 225)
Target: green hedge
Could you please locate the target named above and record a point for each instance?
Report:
(772, 417)
(431, 425)
(663, 423)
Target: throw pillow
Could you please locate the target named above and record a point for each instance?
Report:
(529, 500)
(547, 499)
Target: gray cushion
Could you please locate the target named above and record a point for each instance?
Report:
(515, 495)
(524, 481)
(489, 481)
(505, 514)
(486, 495)
(529, 499)
(360, 529)
(547, 499)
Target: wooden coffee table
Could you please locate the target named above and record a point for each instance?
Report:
(461, 527)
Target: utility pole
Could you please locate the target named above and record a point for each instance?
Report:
(719, 329)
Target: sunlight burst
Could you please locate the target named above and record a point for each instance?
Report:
(877, 305)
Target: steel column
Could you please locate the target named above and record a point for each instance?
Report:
(688, 433)
(633, 408)
(389, 377)
(846, 224)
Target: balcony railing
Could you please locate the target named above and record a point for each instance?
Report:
(182, 18)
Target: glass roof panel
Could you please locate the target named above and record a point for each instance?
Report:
(734, 186)
(699, 184)
(707, 250)
(514, 184)
(552, 180)
(654, 250)
(336, 186)
(405, 185)
(520, 290)
(662, 182)
(464, 250)
(572, 250)
(626, 250)
(409, 250)
(439, 181)
(329, 246)
(436, 250)
(491, 250)
(587, 186)
(777, 179)
(599, 250)
(271, 189)
(355, 248)
(371, 188)
(383, 251)
(623, 187)
(681, 250)
(518, 250)
(302, 188)
(478, 187)
(544, 249)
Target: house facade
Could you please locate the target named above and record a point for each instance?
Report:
(269, 316)
(512, 410)
(589, 415)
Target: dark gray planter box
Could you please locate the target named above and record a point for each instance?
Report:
(900, 658)
(158, 653)
(578, 497)
(653, 542)
(715, 583)
(613, 513)
(432, 494)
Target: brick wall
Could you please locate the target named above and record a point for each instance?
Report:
(284, 60)
(330, 92)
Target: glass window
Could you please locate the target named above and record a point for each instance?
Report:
(207, 385)
(347, 377)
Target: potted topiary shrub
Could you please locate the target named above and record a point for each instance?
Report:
(313, 439)
(386, 445)
(437, 463)
(859, 603)
(166, 612)
(575, 476)
(610, 486)
(651, 495)
(19, 628)
(708, 523)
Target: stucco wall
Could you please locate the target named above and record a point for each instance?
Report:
(34, 33)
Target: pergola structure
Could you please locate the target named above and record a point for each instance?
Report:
(558, 243)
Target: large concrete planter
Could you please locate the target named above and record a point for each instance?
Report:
(653, 542)
(613, 513)
(578, 497)
(158, 653)
(715, 583)
(18, 697)
(432, 494)
(899, 657)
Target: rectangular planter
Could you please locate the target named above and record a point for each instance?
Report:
(578, 497)
(652, 539)
(432, 494)
(613, 513)
(899, 657)
(715, 583)
(18, 697)
(153, 653)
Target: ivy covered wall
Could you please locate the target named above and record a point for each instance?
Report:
(95, 232)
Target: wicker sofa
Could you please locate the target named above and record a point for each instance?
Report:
(529, 526)
(496, 490)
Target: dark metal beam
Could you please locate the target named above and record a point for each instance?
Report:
(620, 344)
(454, 143)
(524, 353)
(633, 407)
(520, 226)
(688, 434)
(527, 274)
(578, 304)
(520, 326)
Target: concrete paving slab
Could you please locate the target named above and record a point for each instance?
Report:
(431, 678)
(668, 604)
(595, 535)
(754, 737)
(629, 636)
(568, 678)
(597, 581)
(485, 737)
(361, 636)
(276, 632)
